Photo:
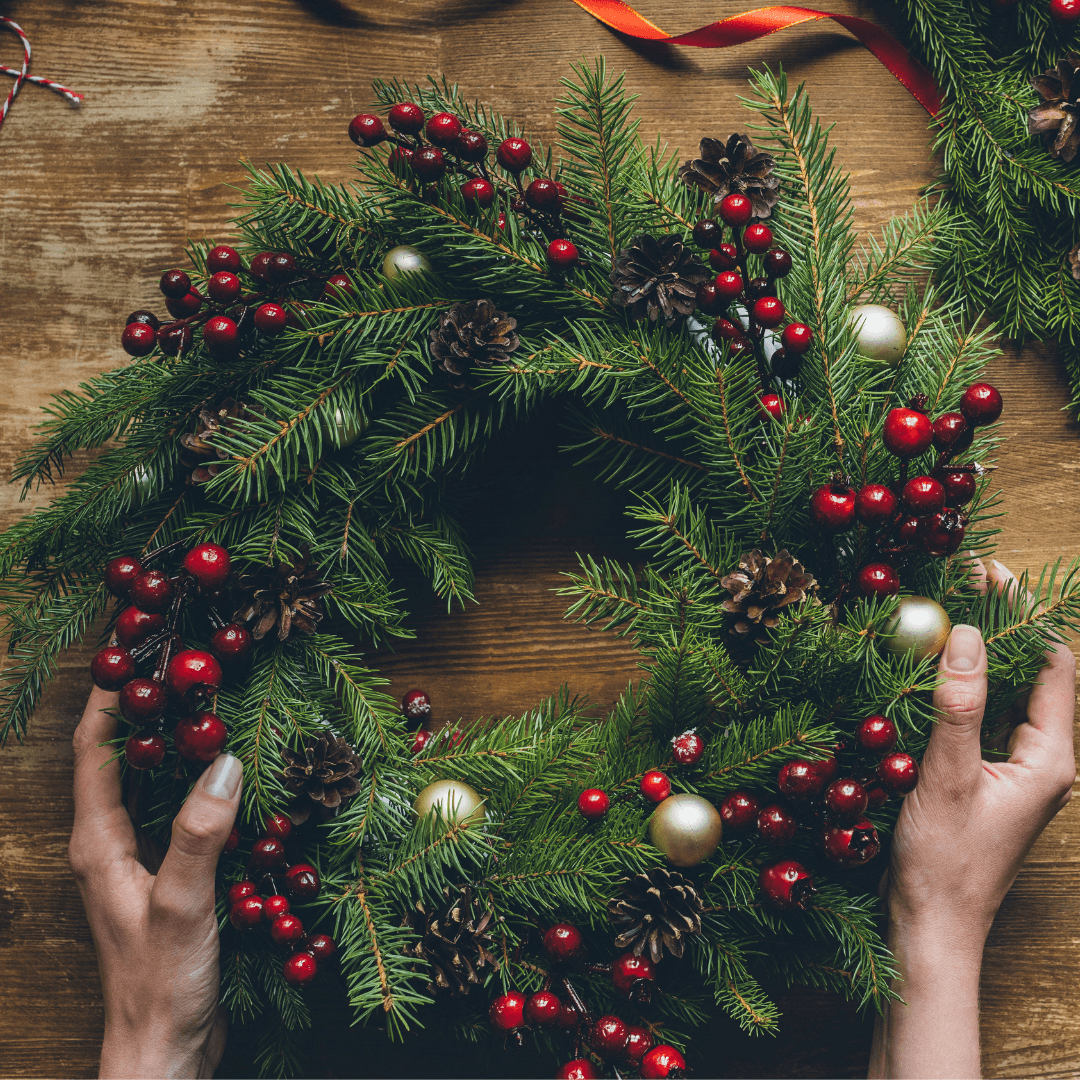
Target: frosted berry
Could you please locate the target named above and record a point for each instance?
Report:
(286, 930)
(661, 1061)
(736, 210)
(942, 534)
(185, 306)
(796, 338)
(907, 432)
(147, 318)
(366, 130)
(981, 403)
(728, 285)
(270, 319)
(876, 735)
(877, 580)
(507, 1011)
(628, 969)
(739, 812)
(832, 508)
(268, 853)
(138, 339)
(280, 268)
(952, 433)
(708, 233)
(478, 192)
(845, 800)
(192, 668)
(222, 337)
(238, 891)
(923, 496)
(514, 155)
(133, 626)
(406, 118)
(799, 780)
(471, 146)
(443, 128)
(960, 487)
(875, 504)
(852, 845)
(687, 748)
(274, 907)
(232, 643)
(300, 969)
(200, 737)
(174, 284)
(593, 804)
(246, 914)
(543, 1009)
(638, 1043)
(608, 1036)
(416, 706)
(420, 740)
(786, 884)
(772, 406)
(563, 943)
(111, 668)
(776, 825)
(757, 238)
(562, 255)
(142, 701)
(655, 786)
(223, 259)
(224, 288)
(724, 257)
(145, 750)
(278, 825)
(209, 565)
(321, 946)
(768, 312)
(152, 591)
(542, 194)
(777, 263)
(578, 1069)
(302, 881)
(898, 773)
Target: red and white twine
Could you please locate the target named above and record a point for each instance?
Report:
(22, 75)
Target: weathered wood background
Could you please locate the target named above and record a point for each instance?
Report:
(96, 203)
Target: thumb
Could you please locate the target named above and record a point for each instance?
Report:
(954, 755)
(185, 882)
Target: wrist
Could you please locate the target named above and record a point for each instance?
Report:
(148, 1051)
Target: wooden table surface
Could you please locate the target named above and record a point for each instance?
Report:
(96, 203)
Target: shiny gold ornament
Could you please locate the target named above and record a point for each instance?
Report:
(455, 800)
(920, 624)
(686, 828)
(880, 333)
(404, 259)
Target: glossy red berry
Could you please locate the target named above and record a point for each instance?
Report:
(174, 284)
(300, 969)
(777, 263)
(876, 797)
(428, 164)
(224, 287)
(471, 146)
(233, 840)
(981, 403)
(321, 946)
(736, 210)
(133, 626)
(478, 192)
(238, 891)
(274, 907)
(542, 195)
(578, 1069)
(875, 504)
(142, 701)
(147, 318)
(725, 330)
(246, 914)
(270, 319)
(593, 804)
(563, 943)
(786, 884)
(258, 267)
(507, 1011)
(907, 433)
(138, 339)
(366, 130)
(145, 750)
(200, 737)
(184, 307)
(796, 338)
(399, 160)
(416, 706)
(661, 1061)
(826, 769)
(338, 288)
(851, 845)
(112, 667)
(728, 285)
(898, 772)
(120, 573)
(514, 155)
(923, 496)
(761, 287)
(232, 643)
(174, 339)
(1065, 12)
(655, 786)
(832, 508)
(278, 825)
(799, 780)
(543, 1009)
(406, 118)
(286, 930)
(708, 233)
(771, 407)
(443, 129)
(708, 299)
(608, 1036)
(302, 881)
(222, 337)
(223, 259)
(687, 748)
(908, 529)
(562, 255)
(942, 534)
(638, 1043)
(191, 668)
(724, 257)
(209, 565)
(776, 825)
(877, 580)
(877, 735)
(952, 433)
(757, 238)
(152, 591)
(739, 813)
(845, 800)
(268, 853)
(960, 487)
(628, 969)
(420, 740)
(281, 268)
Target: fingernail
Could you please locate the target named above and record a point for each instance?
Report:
(1003, 570)
(964, 648)
(222, 779)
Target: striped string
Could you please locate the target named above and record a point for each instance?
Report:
(22, 75)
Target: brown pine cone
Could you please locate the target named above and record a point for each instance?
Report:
(655, 911)
(761, 588)
(199, 455)
(472, 333)
(657, 279)
(1057, 117)
(734, 166)
(287, 595)
(322, 776)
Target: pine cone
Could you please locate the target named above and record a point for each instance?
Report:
(322, 776)
(1057, 117)
(657, 278)
(199, 455)
(453, 939)
(472, 333)
(284, 594)
(736, 166)
(761, 587)
(657, 910)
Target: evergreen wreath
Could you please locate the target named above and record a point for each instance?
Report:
(314, 420)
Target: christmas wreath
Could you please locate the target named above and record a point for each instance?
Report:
(801, 487)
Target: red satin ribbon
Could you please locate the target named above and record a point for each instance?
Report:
(755, 24)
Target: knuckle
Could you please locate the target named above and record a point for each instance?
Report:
(195, 833)
(78, 859)
(81, 741)
(962, 702)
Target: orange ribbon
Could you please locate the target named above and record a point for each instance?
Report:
(756, 24)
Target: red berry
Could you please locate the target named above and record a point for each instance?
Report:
(111, 668)
(628, 969)
(543, 1009)
(191, 668)
(708, 300)
(514, 155)
(420, 740)
(908, 529)
(563, 943)
(280, 268)
(152, 591)
(876, 797)
(268, 853)
(655, 786)
(826, 769)
(923, 496)
(258, 267)
(729, 285)
(593, 804)
(952, 432)
(725, 330)
(239, 891)
(274, 907)
(246, 914)
(959, 487)
(687, 748)
(777, 263)
(736, 210)
(776, 825)
(120, 573)
(832, 508)
(443, 128)
(186, 306)
(562, 254)
(507, 1011)
(661, 1061)
(338, 287)
(724, 257)
(321, 946)
(286, 930)
(739, 812)
(708, 233)
(200, 737)
(138, 339)
(543, 195)
(757, 238)
(638, 1043)
(898, 773)
(209, 565)
(761, 287)
(786, 884)
(907, 433)
(142, 701)
(1065, 12)
(416, 706)
(799, 780)
(981, 403)
(144, 750)
(406, 118)
(877, 734)
(221, 337)
(846, 800)
(300, 969)
(233, 841)
(270, 319)
(878, 579)
(174, 284)
(478, 192)
(302, 880)
(851, 846)
(366, 130)
(232, 643)
(569, 1019)
(608, 1036)
(224, 287)
(942, 534)
(223, 259)
(578, 1069)
(174, 338)
(772, 405)
(278, 825)
(133, 626)
(797, 338)
(471, 146)
(875, 504)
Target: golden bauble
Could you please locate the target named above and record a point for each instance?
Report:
(686, 828)
(404, 259)
(921, 624)
(343, 428)
(880, 333)
(454, 799)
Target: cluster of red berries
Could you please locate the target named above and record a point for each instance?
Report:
(249, 910)
(146, 628)
(734, 284)
(923, 512)
(609, 1037)
(451, 147)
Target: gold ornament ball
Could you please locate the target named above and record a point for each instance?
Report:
(880, 333)
(686, 828)
(343, 428)
(920, 624)
(404, 260)
(455, 800)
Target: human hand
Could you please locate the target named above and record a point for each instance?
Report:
(156, 935)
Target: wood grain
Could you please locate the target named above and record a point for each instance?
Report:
(97, 202)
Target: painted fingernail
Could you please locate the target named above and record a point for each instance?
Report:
(964, 648)
(222, 779)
